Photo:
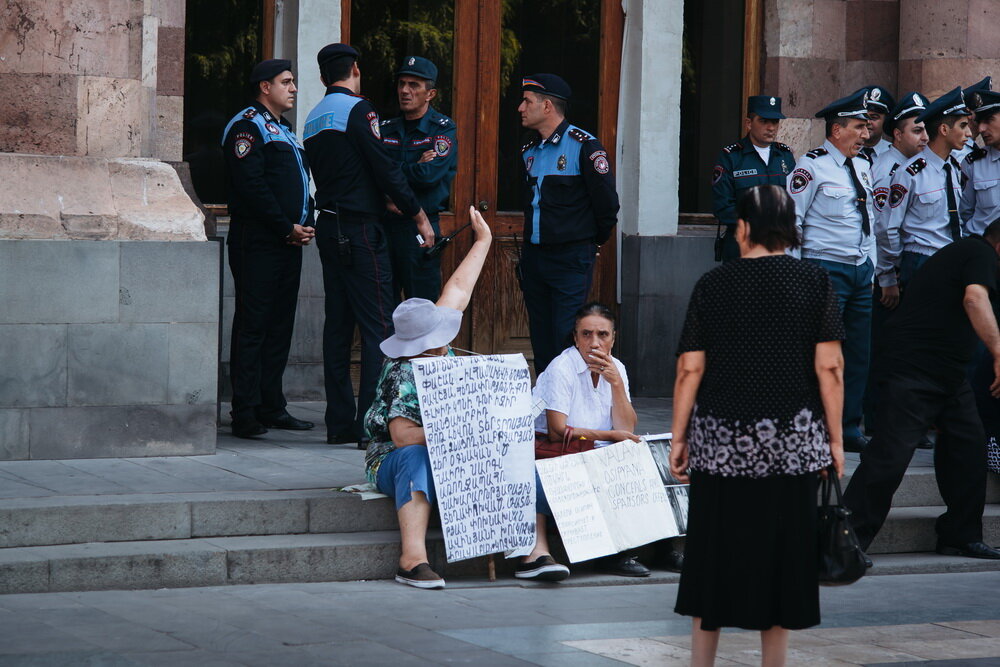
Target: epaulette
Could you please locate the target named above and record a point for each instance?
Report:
(976, 154)
(528, 145)
(249, 113)
(443, 120)
(389, 121)
(731, 147)
(893, 170)
(783, 147)
(817, 152)
(579, 135)
(916, 166)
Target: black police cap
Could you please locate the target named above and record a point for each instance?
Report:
(268, 69)
(854, 105)
(973, 94)
(909, 105)
(879, 99)
(987, 100)
(547, 84)
(765, 106)
(951, 103)
(332, 51)
(418, 66)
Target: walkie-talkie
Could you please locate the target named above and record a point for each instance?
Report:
(436, 249)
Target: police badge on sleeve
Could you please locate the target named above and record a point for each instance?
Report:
(243, 144)
(600, 160)
(800, 180)
(374, 124)
(442, 145)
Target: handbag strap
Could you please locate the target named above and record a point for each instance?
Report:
(831, 481)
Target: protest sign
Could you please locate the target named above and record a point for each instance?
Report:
(607, 500)
(677, 493)
(481, 443)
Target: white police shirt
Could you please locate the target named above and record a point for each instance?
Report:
(826, 206)
(565, 386)
(882, 147)
(961, 153)
(981, 194)
(918, 212)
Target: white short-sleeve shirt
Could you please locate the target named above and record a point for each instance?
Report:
(566, 387)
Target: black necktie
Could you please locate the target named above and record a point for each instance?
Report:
(862, 200)
(954, 226)
(869, 151)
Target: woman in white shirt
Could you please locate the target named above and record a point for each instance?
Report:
(586, 388)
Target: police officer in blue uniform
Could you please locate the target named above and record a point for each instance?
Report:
(271, 219)
(880, 104)
(570, 208)
(832, 190)
(981, 195)
(756, 159)
(354, 176)
(425, 144)
(969, 94)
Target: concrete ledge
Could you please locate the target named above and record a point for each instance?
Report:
(911, 529)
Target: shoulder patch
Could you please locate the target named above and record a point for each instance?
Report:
(373, 123)
(243, 144)
(731, 147)
(881, 197)
(579, 135)
(977, 153)
(249, 113)
(800, 180)
(817, 152)
(916, 166)
(896, 194)
(783, 147)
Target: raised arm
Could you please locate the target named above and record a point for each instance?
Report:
(458, 290)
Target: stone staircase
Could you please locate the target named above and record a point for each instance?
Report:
(156, 540)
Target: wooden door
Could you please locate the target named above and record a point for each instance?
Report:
(495, 43)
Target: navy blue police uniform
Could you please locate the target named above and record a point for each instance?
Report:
(267, 181)
(354, 174)
(741, 166)
(570, 209)
(413, 273)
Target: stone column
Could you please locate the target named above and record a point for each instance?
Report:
(947, 43)
(108, 326)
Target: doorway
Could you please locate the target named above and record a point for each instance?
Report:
(482, 49)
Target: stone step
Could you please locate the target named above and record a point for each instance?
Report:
(304, 558)
(911, 529)
(135, 517)
(919, 488)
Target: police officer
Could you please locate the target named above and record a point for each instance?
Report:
(354, 175)
(880, 103)
(756, 159)
(425, 144)
(983, 85)
(271, 219)
(923, 214)
(832, 190)
(570, 209)
(981, 194)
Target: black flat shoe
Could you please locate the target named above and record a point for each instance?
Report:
(248, 428)
(855, 443)
(287, 422)
(673, 561)
(344, 438)
(623, 566)
(970, 550)
(869, 563)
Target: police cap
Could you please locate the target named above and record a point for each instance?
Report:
(547, 84)
(418, 66)
(268, 69)
(909, 105)
(879, 99)
(854, 105)
(973, 93)
(950, 104)
(988, 101)
(765, 106)
(332, 51)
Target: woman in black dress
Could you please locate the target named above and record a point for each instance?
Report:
(757, 409)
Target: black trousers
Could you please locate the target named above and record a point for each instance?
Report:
(358, 292)
(413, 273)
(909, 403)
(555, 281)
(266, 278)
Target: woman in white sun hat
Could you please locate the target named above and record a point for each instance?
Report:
(396, 461)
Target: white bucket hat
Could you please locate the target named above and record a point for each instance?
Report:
(420, 326)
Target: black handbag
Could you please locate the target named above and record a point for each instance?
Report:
(841, 560)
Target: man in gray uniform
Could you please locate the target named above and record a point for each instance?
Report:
(981, 194)
(832, 190)
(984, 85)
(880, 104)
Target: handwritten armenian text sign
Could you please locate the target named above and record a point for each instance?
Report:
(481, 442)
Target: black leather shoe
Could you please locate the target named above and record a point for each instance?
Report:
(363, 442)
(623, 565)
(343, 438)
(287, 422)
(869, 564)
(855, 443)
(672, 561)
(925, 443)
(248, 428)
(970, 550)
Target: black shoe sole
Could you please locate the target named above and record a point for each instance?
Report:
(249, 435)
(285, 427)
